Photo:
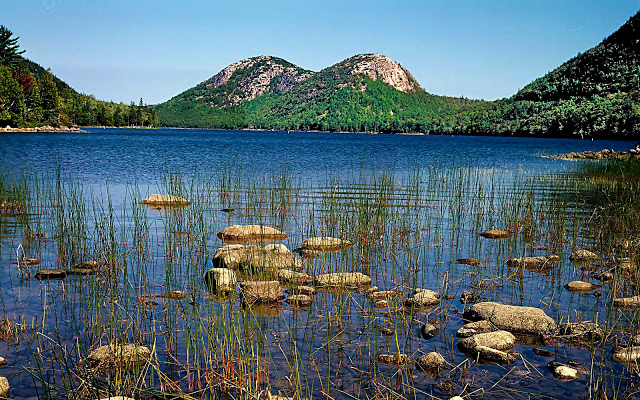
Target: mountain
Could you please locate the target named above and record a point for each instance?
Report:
(595, 94)
(367, 92)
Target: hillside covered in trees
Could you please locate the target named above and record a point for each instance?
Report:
(595, 94)
(32, 96)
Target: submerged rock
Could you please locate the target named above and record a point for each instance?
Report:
(113, 356)
(5, 389)
(429, 331)
(381, 304)
(540, 263)
(473, 262)
(384, 294)
(499, 340)
(300, 300)
(287, 275)
(393, 359)
(261, 291)
(431, 362)
(583, 256)
(250, 233)
(325, 244)
(512, 318)
(494, 355)
(496, 234)
(220, 280)
(343, 279)
(580, 286)
(562, 372)
(164, 200)
(47, 274)
(468, 297)
(474, 328)
(543, 352)
(306, 290)
(626, 355)
(581, 331)
(174, 295)
(627, 302)
(604, 276)
(423, 298)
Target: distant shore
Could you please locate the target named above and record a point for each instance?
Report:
(43, 129)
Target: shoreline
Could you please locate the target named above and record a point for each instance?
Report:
(43, 129)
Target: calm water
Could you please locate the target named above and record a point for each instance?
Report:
(308, 184)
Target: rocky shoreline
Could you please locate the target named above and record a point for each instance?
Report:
(605, 154)
(43, 129)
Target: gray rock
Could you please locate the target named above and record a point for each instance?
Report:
(581, 331)
(289, 276)
(431, 362)
(539, 264)
(5, 389)
(50, 274)
(116, 356)
(499, 340)
(496, 234)
(343, 279)
(562, 372)
(300, 300)
(219, 280)
(473, 328)
(494, 355)
(325, 244)
(627, 302)
(429, 331)
(250, 233)
(512, 318)
(580, 286)
(261, 291)
(626, 355)
(423, 298)
(583, 256)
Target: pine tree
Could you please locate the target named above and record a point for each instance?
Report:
(9, 53)
(11, 98)
(51, 105)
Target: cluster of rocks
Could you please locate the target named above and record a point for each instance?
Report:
(276, 264)
(89, 267)
(605, 154)
(42, 129)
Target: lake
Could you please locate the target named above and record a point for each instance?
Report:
(411, 205)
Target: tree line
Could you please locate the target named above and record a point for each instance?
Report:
(32, 96)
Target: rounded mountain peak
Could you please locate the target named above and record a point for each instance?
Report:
(251, 77)
(381, 68)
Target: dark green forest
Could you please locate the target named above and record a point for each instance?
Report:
(32, 96)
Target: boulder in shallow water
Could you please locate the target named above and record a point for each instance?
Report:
(300, 300)
(562, 372)
(626, 355)
(583, 256)
(343, 279)
(116, 356)
(289, 276)
(474, 328)
(5, 389)
(499, 340)
(49, 274)
(485, 353)
(219, 280)
(250, 233)
(302, 289)
(535, 264)
(627, 302)
(469, 297)
(496, 234)
(325, 244)
(431, 362)
(516, 319)
(252, 257)
(261, 291)
(429, 331)
(581, 331)
(580, 286)
(473, 262)
(423, 298)
(164, 200)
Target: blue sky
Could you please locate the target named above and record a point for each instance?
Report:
(154, 49)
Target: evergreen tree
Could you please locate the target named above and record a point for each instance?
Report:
(51, 105)
(11, 98)
(31, 93)
(9, 53)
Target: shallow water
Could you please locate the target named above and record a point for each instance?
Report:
(412, 205)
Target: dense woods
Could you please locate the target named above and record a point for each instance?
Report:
(32, 96)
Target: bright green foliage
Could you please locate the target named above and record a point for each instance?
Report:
(11, 98)
(9, 53)
(51, 104)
